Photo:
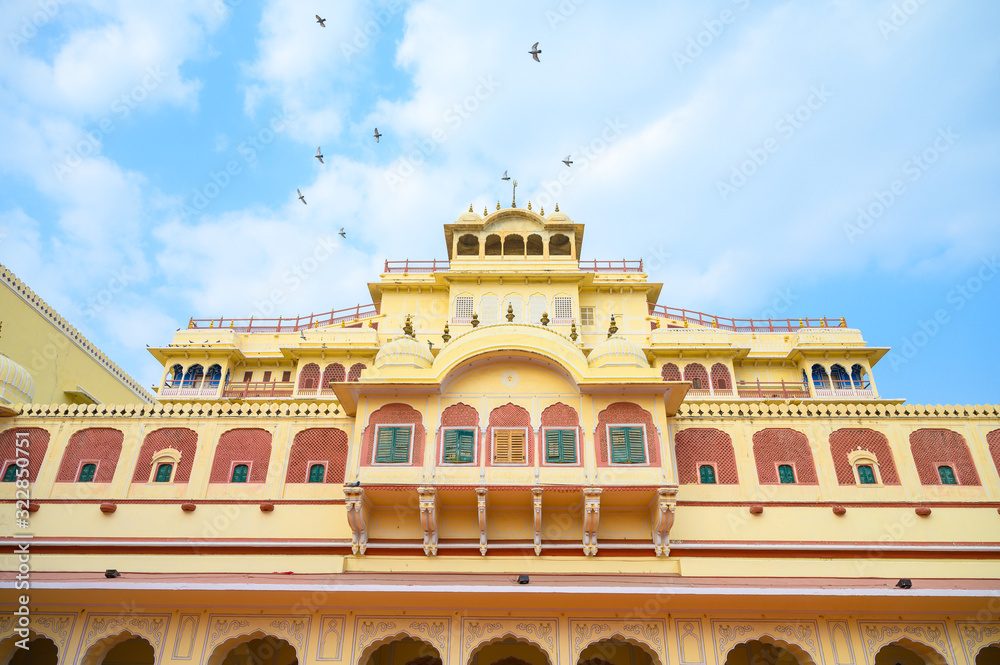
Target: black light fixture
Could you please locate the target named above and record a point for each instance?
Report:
(904, 584)
(523, 579)
(111, 573)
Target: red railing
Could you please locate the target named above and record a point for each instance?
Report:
(743, 325)
(248, 389)
(765, 389)
(285, 324)
(408, 266)
(624, 265)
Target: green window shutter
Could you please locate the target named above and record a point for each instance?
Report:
(553, 446)
(383, 447)
(451, 446)
(87, 473)
(567, 446)
(316, 473)
(947, 475)
(163, 473)
(619, 445)
(401, 445)
(786, 474)
(466, 446)
(10, 473)
(866, 475)
(707, 474)
(240, 472)
(636, 449)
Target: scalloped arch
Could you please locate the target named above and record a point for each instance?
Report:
(8, 649)
(509, 635)
(927, 652)
(222, 649)
(99, 649)
(801, 655)
(367, 652)
(618, 637)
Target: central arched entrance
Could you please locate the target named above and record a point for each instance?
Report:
(509, 651)
(908, 652)
(262, 650)
(616, 652)
(758, 652)
(403, 651)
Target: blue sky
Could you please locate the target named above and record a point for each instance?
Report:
(764, 158)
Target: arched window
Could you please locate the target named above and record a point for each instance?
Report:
(786, 474)
(309, 378)
(698, 376)
(493, 245)
(820, 377)
(488, 308)
(10, 473)
(240, 473)
(163, 472)
(468, 245)
(706, 473)
(213, 377)
(87, 472)
(316, 473)
(535, 246)
(536, 307)
(355, 372)
(175, 377)
(721, 380)
(670, 372)
(513, 245)
(947, 475)
(859, 376)
(559, 245)
(866, 474)
(840, 379)
(194, 376)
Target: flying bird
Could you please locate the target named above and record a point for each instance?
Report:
(342, 233)
(505, 176)
(301, 197)
(567, 161)
(319, 155)
(321, 21)
(534, 52)
(377, 135)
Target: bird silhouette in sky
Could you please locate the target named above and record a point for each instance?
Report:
(505, 176)
(377, 135)
(321, 21)
(567, 161)
(342, 233)
(535, 51)
(301, 197)
(319, 155)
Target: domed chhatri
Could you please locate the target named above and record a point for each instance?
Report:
(617, 352)
(404, 352)
(16, 384)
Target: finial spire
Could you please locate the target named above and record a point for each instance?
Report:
(470, 207)
(529, 205)
(447, 335)
(498, 204)
(408, 327)
(613, 329)
(542, 211)
(486, 211)
(557, 207)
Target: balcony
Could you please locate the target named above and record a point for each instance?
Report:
(842, 388)
(190, 389)
(257, 389)
(743, 325)
(772, 390)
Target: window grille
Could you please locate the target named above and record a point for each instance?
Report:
(464, 307)
(587, 316)
(562, 307)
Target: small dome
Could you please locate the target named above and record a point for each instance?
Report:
(469, 218)
(404, 352)
(16, 385)
(617, 352)
(558, 217)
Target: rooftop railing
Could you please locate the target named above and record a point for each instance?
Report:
(772, 389)
(251, 389)
(592, 265)
(283, 324)
(625, 265)
(744, 325)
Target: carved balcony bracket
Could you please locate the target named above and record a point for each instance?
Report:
(536, 503)
(591, 519)
(482, 504)
(663, 519)
(429, 518)
(359, 510)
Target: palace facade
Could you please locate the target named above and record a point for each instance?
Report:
(511, 457)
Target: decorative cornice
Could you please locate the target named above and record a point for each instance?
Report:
(184, 410)
(34, 300)
(833, 410)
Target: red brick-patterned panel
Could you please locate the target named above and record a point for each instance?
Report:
(355, 372)
(670, 372)
(993, 439)
(457, 415)
(698, 445)
(932, 447)
(333, 372)
(394, 414)
(100, 444)
(319, 444)
(696, 371)
(626, 413)
(242, 445)
(179, 438)
(510, 415)
(780, 445)
(38, 443)
(720, 377)
(843, 442)
(309, 378)
(562, 416)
